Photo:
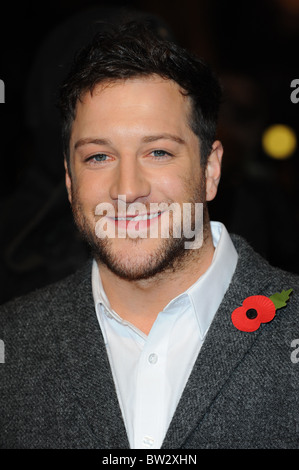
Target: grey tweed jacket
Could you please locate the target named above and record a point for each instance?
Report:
(57, 390)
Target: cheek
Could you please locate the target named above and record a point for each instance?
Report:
(89, 190)
(170, 187)
(182, 185)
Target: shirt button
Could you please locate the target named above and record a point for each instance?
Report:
(148, 441)
(153, 358)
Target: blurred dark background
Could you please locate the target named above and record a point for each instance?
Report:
(252, 46)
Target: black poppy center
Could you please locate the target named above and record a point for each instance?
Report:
(251, 313)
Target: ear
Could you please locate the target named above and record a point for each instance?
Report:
(68, 181)
(213, 170)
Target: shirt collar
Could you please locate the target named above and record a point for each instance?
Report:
(205, 295)
(208, 291)
(99, 294)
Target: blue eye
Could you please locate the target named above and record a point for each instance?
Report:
(99, 157)
(160, 153)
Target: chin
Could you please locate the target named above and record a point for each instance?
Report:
(140, 259)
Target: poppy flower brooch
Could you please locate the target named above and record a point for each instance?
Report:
(258, 309)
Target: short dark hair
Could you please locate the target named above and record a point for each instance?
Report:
(133, 50)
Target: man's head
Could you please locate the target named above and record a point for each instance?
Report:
(139, 123)
(133, 50)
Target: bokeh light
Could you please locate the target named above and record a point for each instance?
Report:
(279, 141)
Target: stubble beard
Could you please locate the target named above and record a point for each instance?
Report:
(169, 256)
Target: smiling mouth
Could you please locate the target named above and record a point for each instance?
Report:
(137, 218)
(138, 222)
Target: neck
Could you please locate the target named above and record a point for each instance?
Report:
(140, 302)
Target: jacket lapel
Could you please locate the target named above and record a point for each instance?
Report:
(221, 353)
(87, 366)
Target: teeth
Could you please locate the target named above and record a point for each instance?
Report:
(151, 216)
(139, 217)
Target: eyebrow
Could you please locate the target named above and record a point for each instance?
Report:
(145, 139)
(153, 138)
(90, 140)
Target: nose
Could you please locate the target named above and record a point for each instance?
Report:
(130, 180)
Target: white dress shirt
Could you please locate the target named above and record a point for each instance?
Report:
(150, 372)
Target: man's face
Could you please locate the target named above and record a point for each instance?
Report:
(131, 141)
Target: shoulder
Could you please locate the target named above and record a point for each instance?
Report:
(33, 327)
(254, 264)
(47, 299)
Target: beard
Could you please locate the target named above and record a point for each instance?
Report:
(134, 261)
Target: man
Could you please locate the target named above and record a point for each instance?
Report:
(150, 344)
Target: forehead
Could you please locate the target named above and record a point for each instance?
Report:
(150, 98)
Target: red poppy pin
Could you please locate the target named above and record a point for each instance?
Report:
(258, 309)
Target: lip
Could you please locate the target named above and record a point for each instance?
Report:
(137, 217)
(137, 221)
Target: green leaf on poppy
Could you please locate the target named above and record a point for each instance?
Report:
(280, 299)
